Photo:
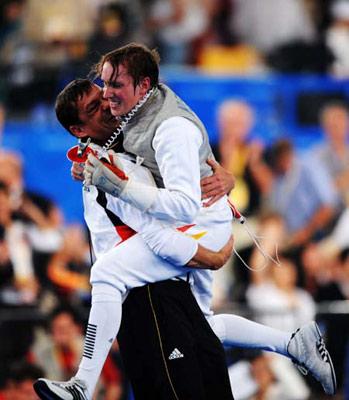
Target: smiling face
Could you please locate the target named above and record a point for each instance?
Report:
(96, 120)
(119, 89)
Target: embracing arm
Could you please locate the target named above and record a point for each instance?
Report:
(208, 259)
(166, 241)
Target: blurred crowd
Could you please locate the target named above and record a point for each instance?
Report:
(44, 291)
(296, 202)
(44, 45)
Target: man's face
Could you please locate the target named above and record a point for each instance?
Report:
(94, 113)
(335, 122)
(284, 162)
(64, 330)
(119, 89)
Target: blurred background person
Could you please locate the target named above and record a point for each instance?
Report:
(337, 37)
(333, 153)
(59, 353)
(175, 25)
(19, 381)
(272, 23)
(302, 193)
(19, 285)
(112, 30)
(237, 152)
(276, 301)
(68, 270)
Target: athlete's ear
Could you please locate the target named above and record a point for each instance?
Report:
(144, 85)
(78, 131)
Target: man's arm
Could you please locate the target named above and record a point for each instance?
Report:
(207, 259)
(318, 221)
(213, 187)
(166, 241)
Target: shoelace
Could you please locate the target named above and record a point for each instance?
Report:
(302, 369)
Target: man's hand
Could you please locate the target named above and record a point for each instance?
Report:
(77, 171)
(208, 259)
(217, 185)
(109, 175)
(106, 176)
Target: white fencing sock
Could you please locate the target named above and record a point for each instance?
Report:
(233, 330)
(103, 326)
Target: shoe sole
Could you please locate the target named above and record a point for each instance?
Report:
(44, 392)
(333, 374)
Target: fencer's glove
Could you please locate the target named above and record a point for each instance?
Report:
(109, 176)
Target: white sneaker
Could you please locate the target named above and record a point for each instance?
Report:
(75, 389)
(308, 351)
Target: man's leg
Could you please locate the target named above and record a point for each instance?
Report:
(241, 332)
(128, 265)
(169, 349)
(102, 328)
(305, 347)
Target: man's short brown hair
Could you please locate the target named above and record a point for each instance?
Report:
(66, 107)
(139, 61)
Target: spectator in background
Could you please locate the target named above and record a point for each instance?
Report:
(18, 286)
(277, 302)
(302, 193)
(237, 154)
(21, 287)
(275, 299)
(175, 24)
(19, 382)
(112, 30)
(10, 18)
(40, 217)
(262, 373)
(218, 29)
(11, 175)
(284, 32)
(333, 154)
(316, 265)
(243, 158)
(255, 378)
(69, 268)
(269, 24)
(58, 20)
(337, 38)
(60, 355)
